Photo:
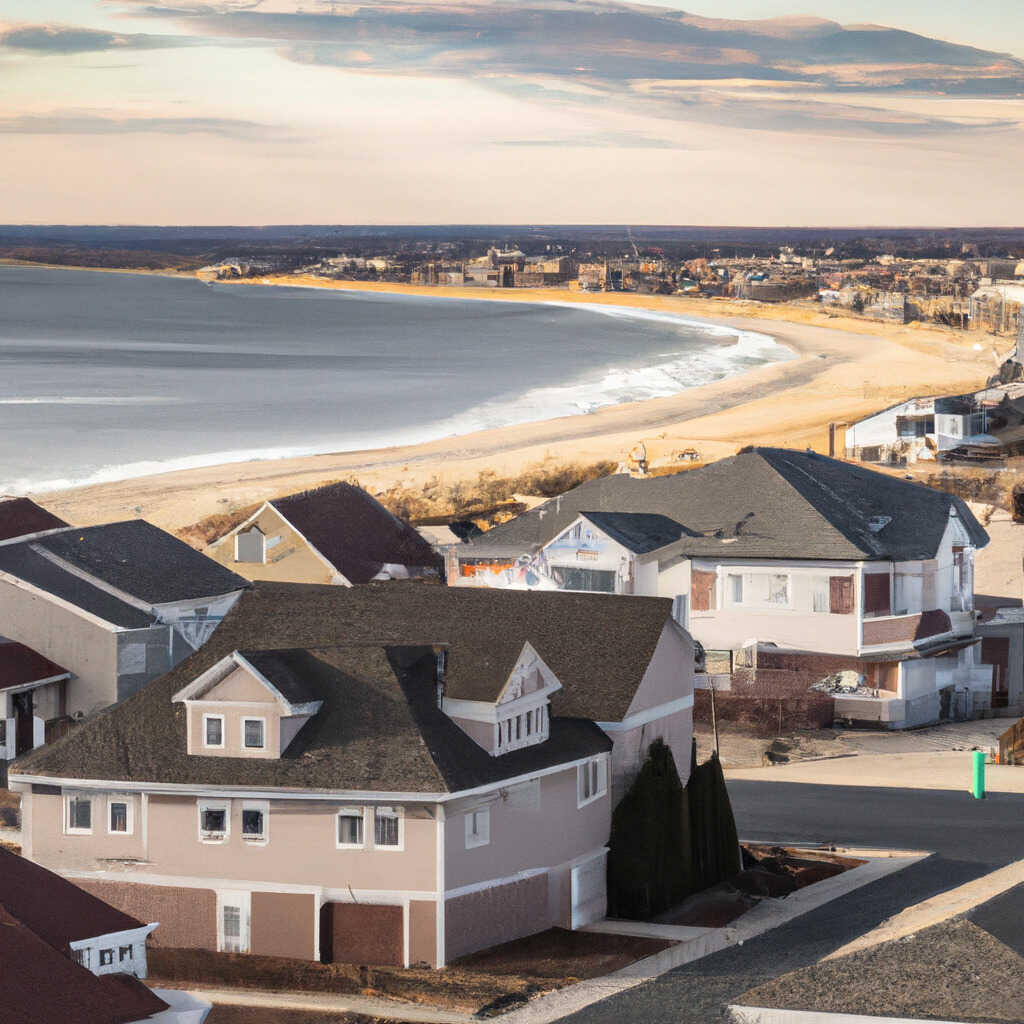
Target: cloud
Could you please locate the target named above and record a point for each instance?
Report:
(602, 140)
(76, 123)
(69, 39)
(605, 51)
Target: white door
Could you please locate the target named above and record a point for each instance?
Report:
(589, 891)
(233, 922)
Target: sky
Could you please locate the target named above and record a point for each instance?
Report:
(756, 112)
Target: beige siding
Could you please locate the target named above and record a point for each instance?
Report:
(290, 560)
(523, 836)
(284, 924)
(53, 847)
(85, 648)
(233, 728)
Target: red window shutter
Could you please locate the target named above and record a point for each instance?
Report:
(840, 595)
(876, 593)
(702, 587)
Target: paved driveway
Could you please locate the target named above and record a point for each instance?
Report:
(970, 838)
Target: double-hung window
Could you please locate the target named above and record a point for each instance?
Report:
(125, 953)
(253, 730)
(591, 781)
(78, 811)
(213, 730)
(350, 828)
(387, 828)
(106, 957)
(214, 820)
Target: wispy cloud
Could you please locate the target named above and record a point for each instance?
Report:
(615, 50)
(70, 39)
(76, 123)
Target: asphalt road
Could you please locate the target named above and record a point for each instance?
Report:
(969, 837)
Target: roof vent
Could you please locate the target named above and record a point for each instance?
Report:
(878, 523)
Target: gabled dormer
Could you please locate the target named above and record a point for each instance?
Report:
(519, 716)
(250, 704)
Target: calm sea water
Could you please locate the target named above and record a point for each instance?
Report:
(105, 376)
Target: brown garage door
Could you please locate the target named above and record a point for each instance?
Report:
(359, 933)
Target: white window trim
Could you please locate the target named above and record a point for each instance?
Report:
(213, 805)
(263, 723)
(351, 812)
(263, 806)
(223, 732)
(602, 781)
(68, 830)
(400, 813)
(129, 815)
(483, 836)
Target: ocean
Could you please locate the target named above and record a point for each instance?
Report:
(105, 376)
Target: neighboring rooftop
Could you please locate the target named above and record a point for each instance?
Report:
(90, 566)
(598, 645)
(379, 729)
(639, 532)
(20, 666)
(764, 502)
(40, 913)
(21, 516)
(354, 531)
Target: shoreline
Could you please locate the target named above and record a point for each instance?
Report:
(837, 375)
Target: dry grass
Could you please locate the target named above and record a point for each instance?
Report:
(488, 500)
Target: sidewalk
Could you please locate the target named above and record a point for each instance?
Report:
(948, 770)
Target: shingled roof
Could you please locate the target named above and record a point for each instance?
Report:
(40, 913)
(762, 503)
(598, 645)
(639, 532)
(86, 566)
(21, 516)
(379, 729)
(354, 531)
(20, 665)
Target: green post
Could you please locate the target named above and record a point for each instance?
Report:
(979, 775)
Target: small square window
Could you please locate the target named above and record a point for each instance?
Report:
(213, 821)
(350, 827)
(252, 824)
(119, 816)
(254, 733)
(106, 957)
(125, 953)
(213, 729)
(478, 827)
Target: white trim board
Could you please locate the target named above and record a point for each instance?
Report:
(650, 715)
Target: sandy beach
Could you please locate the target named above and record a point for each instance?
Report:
(844, 370)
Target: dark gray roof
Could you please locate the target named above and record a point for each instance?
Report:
(355, 532)
(283, 669)
(762, 503)
(639, 532)
(142, 560)
(598, 645)
(379, 729)
(22, 561)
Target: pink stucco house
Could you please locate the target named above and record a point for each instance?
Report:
(400, 773)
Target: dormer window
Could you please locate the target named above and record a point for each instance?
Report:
(254, 729)
(213, 730)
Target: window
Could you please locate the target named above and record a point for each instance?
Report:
(529, 723)
(735, 588)
(82, 957)
(250, 546)
(478, 828)
(118, 813)
(106, 957)
(599, 580)
(213, 730)
(876, 594)
(213, 820)
(519, 727)
(387, 828)
(840, 595)
(350, 827)
(254, 821)
(79, 815)
(233, 913)
(590, 781)
(253, 730)
(820, 594)
(232, 927)
(778, 590)
(125, 953)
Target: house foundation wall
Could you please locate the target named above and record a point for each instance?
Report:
(284, 924)
(490, 917)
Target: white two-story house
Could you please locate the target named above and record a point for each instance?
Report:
(787, 564)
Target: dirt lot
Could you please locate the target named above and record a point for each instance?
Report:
(512, 972)
(261, 1015)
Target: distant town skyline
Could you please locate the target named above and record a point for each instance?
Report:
(479, 111)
